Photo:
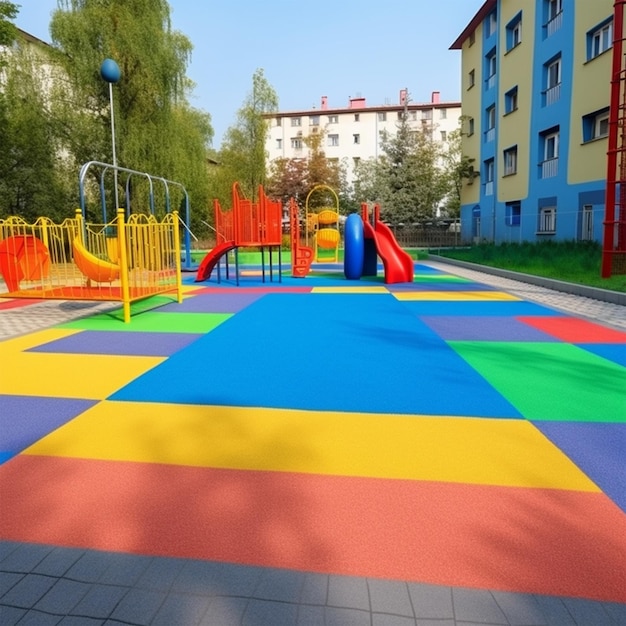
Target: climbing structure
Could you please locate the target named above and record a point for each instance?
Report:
(614, 240)
(324, 221)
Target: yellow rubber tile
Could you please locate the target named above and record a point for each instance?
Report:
(482, 296)
(447, 449)
(347, 289)
(71, 375)
(32, 340)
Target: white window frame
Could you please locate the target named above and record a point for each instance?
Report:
(547, 220)
(333, 140)
(511, 100)
(382, 116)
(602, 119)
(296, 121)
(296, 143)
(551, 146)
(357, 138)
(601, 40)
(555, 8)
(279, 144)
(586, 226)
(553, 73)
(333, 119)
(510, 161)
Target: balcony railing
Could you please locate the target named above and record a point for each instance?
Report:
(553, 94)
(550, 168)
(490, 135)
(489, 188)
(490, 83)
(554, 24)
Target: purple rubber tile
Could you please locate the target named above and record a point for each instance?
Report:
(598, 449)
(119, 343)
(212, 303)
(25, 419)
(474, 328)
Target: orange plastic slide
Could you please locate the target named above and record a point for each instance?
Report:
(92, 267)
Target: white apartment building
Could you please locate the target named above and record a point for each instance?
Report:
(354, 133)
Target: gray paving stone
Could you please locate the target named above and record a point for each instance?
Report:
(38, 618)
(314, 589)
(336, 616)
(202, 577)
(89, 568)
(225, 612)
(268, 613)
(181, 608)
(28, 591)
(389, 596)
(138, 606)
(124, 570)
(11, 615)
(25, 557)
(310, 615)
(588, 612)
(160, 574)
(436, 622)
(58, 561)
(8, 580)
(72, 620)
(280, 585)
(62, 597)
(348, 592)
(520, 609)
(383, 619)
(472, 605)
(100, 601)
(431, 601)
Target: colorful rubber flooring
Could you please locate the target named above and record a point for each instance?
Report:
(439, 432)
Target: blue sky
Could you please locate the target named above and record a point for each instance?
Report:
(334, 48)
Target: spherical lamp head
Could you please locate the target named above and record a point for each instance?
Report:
(110, 71)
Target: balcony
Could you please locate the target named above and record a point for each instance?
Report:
(553, 94)
(554, 24)
(489, 188)
(490, 135)
(550, 168)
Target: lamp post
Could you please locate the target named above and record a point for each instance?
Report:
(110, 72)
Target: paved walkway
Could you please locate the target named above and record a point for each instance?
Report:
(43, 585)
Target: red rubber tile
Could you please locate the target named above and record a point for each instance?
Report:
(573, 330)
(526, 540)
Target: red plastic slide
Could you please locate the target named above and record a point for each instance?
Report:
(208, 263)
(397, 263)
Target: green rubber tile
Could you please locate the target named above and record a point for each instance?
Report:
(551, 381)
(439, 278)
(151, 321)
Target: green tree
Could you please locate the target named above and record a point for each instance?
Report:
(156, 129)
(242, 154)
(458, 168)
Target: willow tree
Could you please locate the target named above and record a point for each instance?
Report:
(243, 154)
(156, 129)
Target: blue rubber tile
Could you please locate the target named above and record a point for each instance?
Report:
(310, 615)
(39, 618)
(265, 612)
(180, 608)
(25, 419)
(613, 352)
(493, 328)
(383, 619)
(201, 577)
(475, 309)
(62, 597)
(11, 615)
(71, 620)
(520, 608)
(160, 574)
(384, 360)
(280, 585)
(597, 449)
(555, 612)
(9, 580)
(314, 589)
(126, 343)
(588, 612)
(390, 596)
(225, 610)
(90, 567)
(58, 562)
(213, 303)
(6, 547)
(342, 617)
(100, 601)
(472, 605)
(239, 580)
(138, 606)
(124, 569)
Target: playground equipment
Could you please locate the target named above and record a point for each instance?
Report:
(245, 225)
(365, 240)
(301, 256)
(325, 224)
(119, 261)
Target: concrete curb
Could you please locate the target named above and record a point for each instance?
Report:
(604, 295)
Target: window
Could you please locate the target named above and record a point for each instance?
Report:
(596, 125)
(296, 121)
(549, 155)
(357, 138)
(510, 161)
(401, 115)
(553, 16)
(491, 23)
(510, 101)
(333, 119)
(586, 226)
(547, 220)
(413, 116)
(357, 162)
(600, 39)
(513, 213)
(382, 116)
(555, 7)
(489, 176)
(443, 114)
(333, 140)
(444, 135)
(279, 143)
(314, 120)
(470, 126)
(279, 121)
(296, 143)
(490, 69)
(514, 32)
(471, 79)
(552, 71)
(490, 119)
(472, 38)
